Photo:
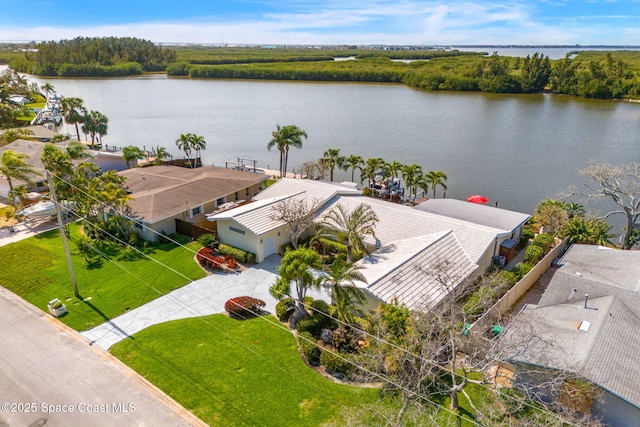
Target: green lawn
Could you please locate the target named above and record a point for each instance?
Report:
(39, 103)
(36, 269)
(237, 373)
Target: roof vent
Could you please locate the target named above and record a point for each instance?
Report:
(584, 326)
(578, 274)
(586, 300)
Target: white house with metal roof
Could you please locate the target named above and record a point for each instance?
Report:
(409, 243)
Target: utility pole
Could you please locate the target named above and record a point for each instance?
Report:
(63, 235)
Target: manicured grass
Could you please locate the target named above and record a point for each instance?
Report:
(39, 103)
(36, 269)
(237, 373)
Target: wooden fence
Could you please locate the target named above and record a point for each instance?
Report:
(504, 304)
(192, 230)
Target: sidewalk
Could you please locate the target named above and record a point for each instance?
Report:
(25, 229)
(200, 298)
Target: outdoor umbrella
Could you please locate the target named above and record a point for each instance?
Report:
(477, 199)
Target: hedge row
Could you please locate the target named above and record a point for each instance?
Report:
(239, 254)
(309, 347)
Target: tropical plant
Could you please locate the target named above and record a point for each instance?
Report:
(297, 268)
(184, 143)
(412, 174)
(352, 162)
(161, 154)
(283, 138)
(371, 167)
(94, 123)
(11, 135)
(47, 88)
(349, 228)
(72, 111)
(345, 294)
(434, 179)
(19, 191)
(14, 166)
(130, 154)
(197, 144)
(332, 158)
(394, 168)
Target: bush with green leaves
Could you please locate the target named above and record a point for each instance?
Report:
(239, 254)
(209, 240)
(533, 253)
(483, 297)
(336, 363)
(521, 269)
(285, 308)
(309, 347)
(504, 278)
(544, 240)
(315, 324)
(318, 307)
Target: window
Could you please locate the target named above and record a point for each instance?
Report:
(246, 192)
(195, 211)
(220, 201)
(237, 195)
(237, 230)
(138, 225)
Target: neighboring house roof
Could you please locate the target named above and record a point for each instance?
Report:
(499, 219)
(317, 192)
(419, 271)
(161, 192)
(397, 222)
(33, 149)
(555, 333)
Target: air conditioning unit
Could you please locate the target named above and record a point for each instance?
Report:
(500, 261)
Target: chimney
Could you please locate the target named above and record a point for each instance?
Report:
(586, 299)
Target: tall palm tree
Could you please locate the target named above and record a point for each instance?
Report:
(130, 153)
(184, 143)
(411, 175)
(435, 178)
(47, 88)
(344, 294)
(94, 123)
(394, 168)
(161, 154)
(14, 166)
(332, 158)
(352, 162)
(349, 228)
(198, 144)
(283, 138)
(371, 167)
(72, 111)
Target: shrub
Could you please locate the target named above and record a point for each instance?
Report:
(504, 278)
(244, 306)
(315, 324)
(284, 309)
(533, 253)
(335, 363)
(285, 248)
(204, 256)
(309, 348)
(318, 306)
(238, 254)
(543, 240)
(209, 240)
(522, 269)
(482, 297)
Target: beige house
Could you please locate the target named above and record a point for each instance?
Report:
(165, 195)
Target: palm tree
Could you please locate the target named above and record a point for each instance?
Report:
(371, 168)
(11, 135)
(94, 123)
(184, 143)
(13, 165)
(332, 158)
(283, 138)
(131, 153)
(412, 174)
(349, 228)
(161, 154)
(72, 111)
(352, 162)
(47, 88)
(574, 209)
(19, 191)
(435, 178)
(394, 168)
(344, 293)
(198, 143)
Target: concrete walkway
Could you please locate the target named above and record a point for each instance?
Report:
(199, 298)
(25, 229)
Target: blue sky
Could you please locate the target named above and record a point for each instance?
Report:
(328, 22)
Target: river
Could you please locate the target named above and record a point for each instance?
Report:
(514, 149)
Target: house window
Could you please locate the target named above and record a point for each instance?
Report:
(195, 211)
(237, 195)
(246, 192)
(220, 201)
(138, 225)
(237, 230)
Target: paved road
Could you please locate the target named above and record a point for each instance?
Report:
(199, 298)
(46, 369)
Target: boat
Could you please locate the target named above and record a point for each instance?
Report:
(44, 209)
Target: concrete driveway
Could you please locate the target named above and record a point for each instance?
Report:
(199, 298)
(25, 229)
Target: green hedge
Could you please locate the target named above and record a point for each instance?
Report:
(285, 308)
(239, 254)
(315, 324)
(533, 253)
(309, 347)
(544, 240)
(335, 363)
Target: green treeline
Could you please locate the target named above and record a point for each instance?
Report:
(88, 57)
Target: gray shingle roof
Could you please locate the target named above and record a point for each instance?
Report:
(607, 352)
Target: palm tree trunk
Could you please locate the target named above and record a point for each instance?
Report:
(13, 199)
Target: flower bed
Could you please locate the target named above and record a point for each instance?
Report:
(244, 306)
(210, 258)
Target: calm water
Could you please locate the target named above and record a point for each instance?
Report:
(515, 150)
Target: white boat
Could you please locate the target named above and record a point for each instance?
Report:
(44, 209)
